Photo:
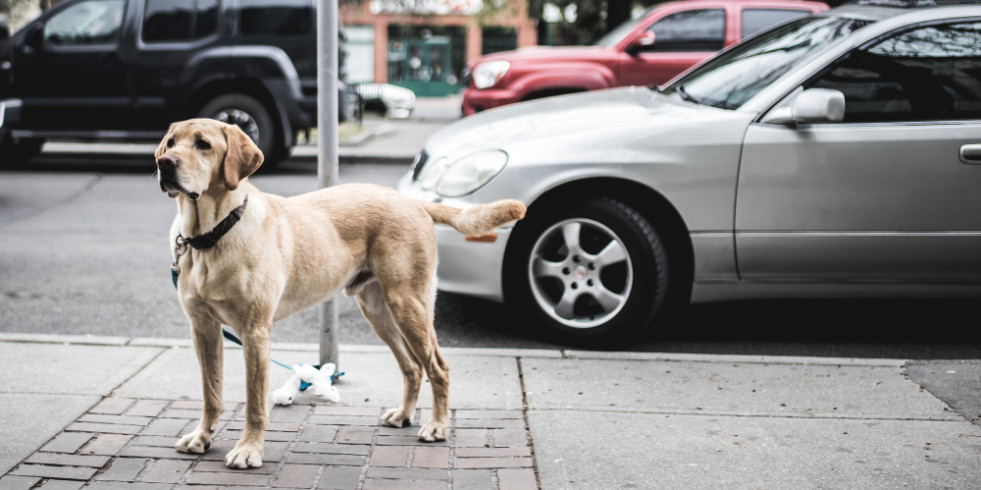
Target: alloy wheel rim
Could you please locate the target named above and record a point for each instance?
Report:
(242, 119)
(580, 273)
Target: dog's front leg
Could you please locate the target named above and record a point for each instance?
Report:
(255, 347)
(206, 333)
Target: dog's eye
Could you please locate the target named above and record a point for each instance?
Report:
(202, 145)
(170, 143)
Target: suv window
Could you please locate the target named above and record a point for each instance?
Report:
(926, 74)
(689, 30)
(283, 18)
(179, 20)
(755, 20)
(85, 23)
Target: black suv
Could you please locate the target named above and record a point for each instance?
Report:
(126, 69)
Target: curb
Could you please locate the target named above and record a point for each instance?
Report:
(470, 351)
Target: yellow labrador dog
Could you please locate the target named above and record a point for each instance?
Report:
(247, 259)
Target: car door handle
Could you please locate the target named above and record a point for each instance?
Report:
(971, 154)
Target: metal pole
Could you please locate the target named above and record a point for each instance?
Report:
(327, 161)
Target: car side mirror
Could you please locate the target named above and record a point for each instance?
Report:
(35, 37)
(815, 105)
(4, 30)
(645, 40)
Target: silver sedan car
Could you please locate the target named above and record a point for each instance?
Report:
(836, 155)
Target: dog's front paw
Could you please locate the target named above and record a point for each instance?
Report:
(396, 417)
(433, 431)
(197, 442)
(244, 455)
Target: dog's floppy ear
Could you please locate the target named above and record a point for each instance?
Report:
(242, 158)
(162, 147)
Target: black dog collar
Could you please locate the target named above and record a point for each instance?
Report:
(209, 239)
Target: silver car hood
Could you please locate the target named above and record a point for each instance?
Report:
(611, 119)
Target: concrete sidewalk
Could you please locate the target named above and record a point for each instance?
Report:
(105, 412)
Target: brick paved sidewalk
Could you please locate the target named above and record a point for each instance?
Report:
(120, 442)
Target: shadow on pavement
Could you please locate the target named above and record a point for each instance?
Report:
(863, 328)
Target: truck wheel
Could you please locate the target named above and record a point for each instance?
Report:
(595, 273)
(254, 119)
(20, 151)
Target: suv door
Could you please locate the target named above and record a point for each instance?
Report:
(69, 71)
(892, 192)
(172, 36)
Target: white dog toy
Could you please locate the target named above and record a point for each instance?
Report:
(319, 381)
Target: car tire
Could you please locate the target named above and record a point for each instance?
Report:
(595, 274)
(254, 119)
(24, 149)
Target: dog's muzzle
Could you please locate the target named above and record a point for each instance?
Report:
(167, 176)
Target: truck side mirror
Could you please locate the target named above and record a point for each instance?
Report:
(641, 42)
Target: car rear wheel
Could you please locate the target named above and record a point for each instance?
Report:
(595, 273)
(252, 117)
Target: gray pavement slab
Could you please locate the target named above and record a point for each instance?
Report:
(606, 449)
(30, 420)
(68, 369)
(372, 378)
(762, 388)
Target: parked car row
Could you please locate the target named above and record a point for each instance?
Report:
(649, 50)
(838, 154)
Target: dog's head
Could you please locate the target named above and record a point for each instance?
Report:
(199, 155)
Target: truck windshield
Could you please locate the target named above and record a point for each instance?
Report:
(732, 78)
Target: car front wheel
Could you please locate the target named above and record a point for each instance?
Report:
(595, 273)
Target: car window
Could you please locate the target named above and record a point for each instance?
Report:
(689, 30)
(929, 73)
(283, 18)
(729, 80)
(85, 23)
(755, 20)
(179, 20)
(613, 37)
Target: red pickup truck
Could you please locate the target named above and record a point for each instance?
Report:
(649, 50)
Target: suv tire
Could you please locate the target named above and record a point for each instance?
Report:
(252, 116)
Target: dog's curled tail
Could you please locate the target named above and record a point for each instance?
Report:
(477, 220)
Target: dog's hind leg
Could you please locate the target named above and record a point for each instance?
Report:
(412, 310)
(376, 311)
(206, 333)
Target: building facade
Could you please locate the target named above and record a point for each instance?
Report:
(424, 45)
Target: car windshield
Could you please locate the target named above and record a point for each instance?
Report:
(613, 37)
(734, 77)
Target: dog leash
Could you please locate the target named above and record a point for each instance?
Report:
(303, 384)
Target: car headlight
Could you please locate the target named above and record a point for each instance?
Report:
(432, 172)
(470, 173)
(487, 74)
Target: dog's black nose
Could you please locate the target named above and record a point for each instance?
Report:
(167, 161)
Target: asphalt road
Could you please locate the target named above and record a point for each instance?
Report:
(83, 250)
